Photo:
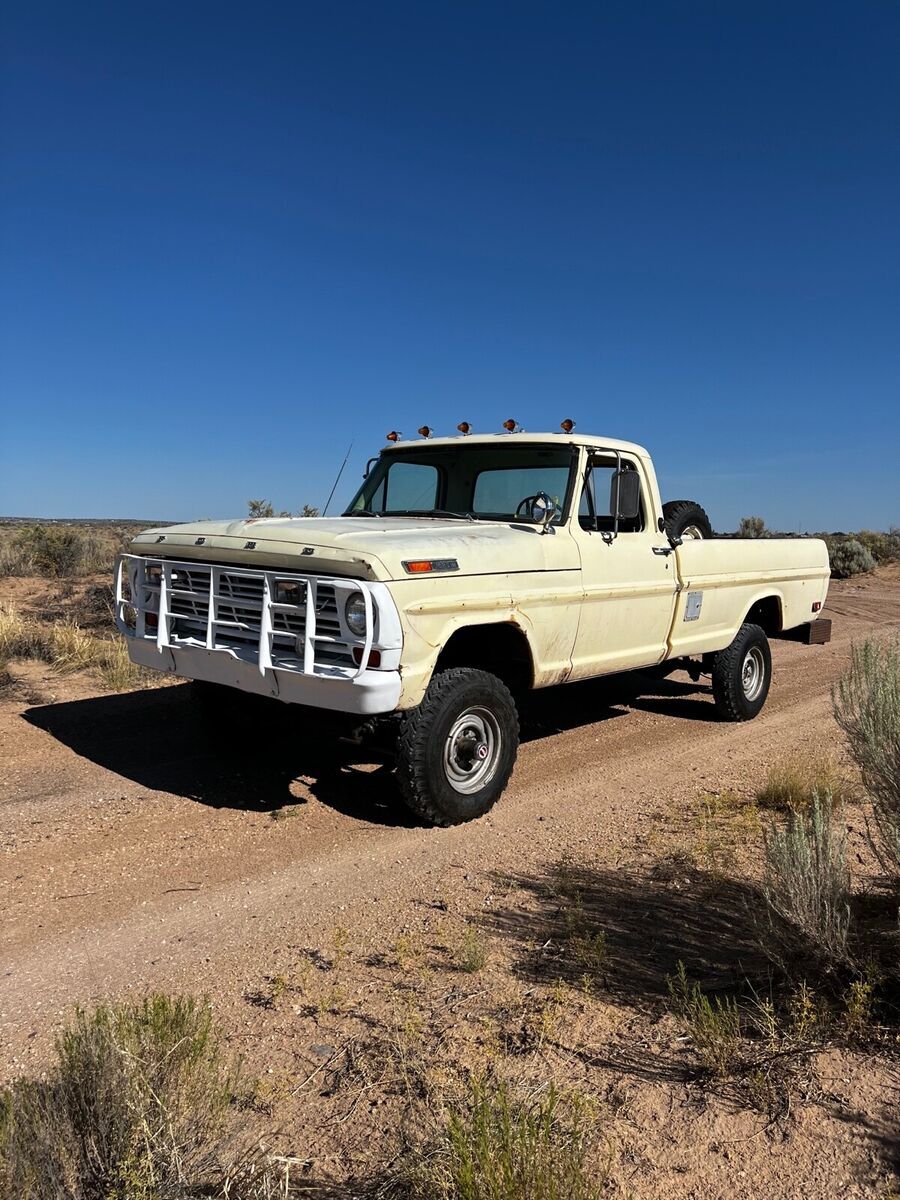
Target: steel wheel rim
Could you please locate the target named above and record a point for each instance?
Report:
(692, 533)
(472, 750)
(753, 673)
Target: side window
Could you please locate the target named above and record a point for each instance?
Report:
(407, 486)
(594, 506)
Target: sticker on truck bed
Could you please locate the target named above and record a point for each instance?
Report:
(692, 606)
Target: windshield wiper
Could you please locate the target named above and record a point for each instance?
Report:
(430, 512)
(413, 512)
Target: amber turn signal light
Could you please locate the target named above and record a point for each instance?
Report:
(394, 436)
(510, 426)
(374, 657)
(464, 427)
(567, 426)
(425, 431)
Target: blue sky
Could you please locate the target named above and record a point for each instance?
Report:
(234, 237)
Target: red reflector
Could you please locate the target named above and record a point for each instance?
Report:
(374, 656)
(417, 568)
(817, 606)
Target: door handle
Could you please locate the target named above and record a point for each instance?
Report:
(664, 550)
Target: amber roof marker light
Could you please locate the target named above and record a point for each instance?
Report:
(425, 431)
(394, 436)
(512, 426)
(464, 427)
(567, 426)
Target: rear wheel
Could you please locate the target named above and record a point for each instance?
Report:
(686, 519)
(456, 751)
(742, 674)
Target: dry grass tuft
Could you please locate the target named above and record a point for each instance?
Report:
(792, 783)
(68, 647)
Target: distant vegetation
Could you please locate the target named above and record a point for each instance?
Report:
(850, 553)
(61, 551)
(264, 508)
(753, 527)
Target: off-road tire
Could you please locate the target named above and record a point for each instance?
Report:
(425, 732)
(728, 674)
(680, 515)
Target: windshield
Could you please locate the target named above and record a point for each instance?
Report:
(489, 482)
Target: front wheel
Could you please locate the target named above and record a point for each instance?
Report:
(742, 674)
(456, 751)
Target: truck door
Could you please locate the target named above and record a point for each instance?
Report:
(629, 576)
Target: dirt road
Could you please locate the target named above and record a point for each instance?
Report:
(135, 856)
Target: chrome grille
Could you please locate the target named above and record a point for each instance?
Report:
(257, 615)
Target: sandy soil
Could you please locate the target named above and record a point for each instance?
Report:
(134, 855)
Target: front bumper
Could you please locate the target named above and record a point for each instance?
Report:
(366, 695)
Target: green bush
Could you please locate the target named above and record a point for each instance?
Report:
(714, 1025)
(493, 1147)
(867, 708)
(131, 1110)
(851, 558)
(807, 886)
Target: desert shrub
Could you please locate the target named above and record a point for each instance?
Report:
(714, 1024)
(752, 527)
(867, 708)
(57, 551)
(494, 1147)
(53, 550)
(132, 1109)
(850, 557)
(877, 544)
(807, 886)
(792, 783)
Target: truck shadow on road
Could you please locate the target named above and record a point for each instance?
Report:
(155, 738)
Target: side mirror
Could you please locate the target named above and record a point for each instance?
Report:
(542, 510)
(625, 495)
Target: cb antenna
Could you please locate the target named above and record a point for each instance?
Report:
(337, 480)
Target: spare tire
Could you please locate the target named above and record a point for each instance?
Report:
(686, 519)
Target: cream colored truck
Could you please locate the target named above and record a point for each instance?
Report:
(466, 571)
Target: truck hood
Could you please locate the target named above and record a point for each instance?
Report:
(363, 547)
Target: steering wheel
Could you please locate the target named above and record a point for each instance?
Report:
(529, 503)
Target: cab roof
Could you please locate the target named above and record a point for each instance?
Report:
(488, 439)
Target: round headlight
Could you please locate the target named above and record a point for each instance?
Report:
(355, 614)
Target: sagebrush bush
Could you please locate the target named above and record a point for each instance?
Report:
(132, 1109)
(851, 558)
(496, 1147)
(807, 887)
(867, 707)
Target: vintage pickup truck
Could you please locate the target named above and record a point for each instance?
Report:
(465, 571)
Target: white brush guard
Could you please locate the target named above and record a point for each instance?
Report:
(277, 633)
